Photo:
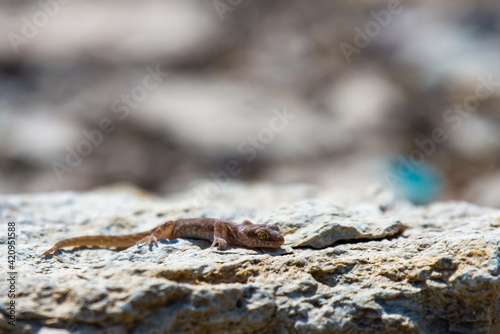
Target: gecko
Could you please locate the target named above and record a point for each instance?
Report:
(222, 233)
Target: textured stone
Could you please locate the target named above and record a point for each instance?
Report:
(319, 225)
(440, 275)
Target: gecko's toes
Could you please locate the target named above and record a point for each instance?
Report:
(220, 243)
(222, 246)
(152, 240)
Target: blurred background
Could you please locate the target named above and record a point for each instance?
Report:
(163, 94)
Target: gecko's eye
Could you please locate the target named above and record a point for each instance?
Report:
(262, 235)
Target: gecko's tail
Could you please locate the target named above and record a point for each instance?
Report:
(103, 241)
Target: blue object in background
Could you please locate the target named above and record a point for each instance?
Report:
(419, 183)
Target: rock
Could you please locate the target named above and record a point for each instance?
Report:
(319, 225)
(440, 275)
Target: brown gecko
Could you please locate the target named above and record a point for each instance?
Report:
(222, 233)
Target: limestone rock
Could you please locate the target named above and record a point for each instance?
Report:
(440, 275)
(319, 225)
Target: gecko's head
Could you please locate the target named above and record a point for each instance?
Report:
(261, 235)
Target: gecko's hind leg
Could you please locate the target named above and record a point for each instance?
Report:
(150, 239)
(164, 231)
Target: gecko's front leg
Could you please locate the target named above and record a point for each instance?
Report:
(220, 235)
(161, 232)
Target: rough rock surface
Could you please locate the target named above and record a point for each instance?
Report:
(432, 269)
